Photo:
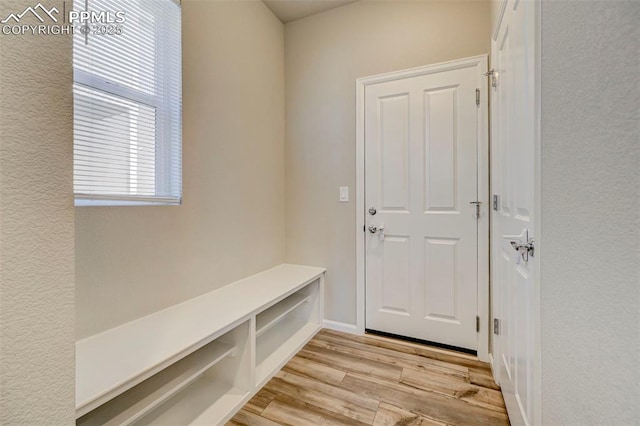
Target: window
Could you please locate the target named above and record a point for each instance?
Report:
(127, 104)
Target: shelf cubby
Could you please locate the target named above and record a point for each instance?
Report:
(284, 328)
(215, 367)
(206, 401)
(267, 319)
(199, 361)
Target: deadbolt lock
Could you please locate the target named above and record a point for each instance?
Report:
(373, 211)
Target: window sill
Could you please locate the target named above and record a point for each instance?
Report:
(85, 202)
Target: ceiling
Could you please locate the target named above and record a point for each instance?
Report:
(290, 10)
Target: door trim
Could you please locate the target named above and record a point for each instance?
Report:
(537, 220)
(480, 62)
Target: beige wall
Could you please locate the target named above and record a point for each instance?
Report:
(325, 54)
(590, 256)
(135, 260)
(36, 228)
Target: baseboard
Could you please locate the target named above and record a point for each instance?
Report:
(340, 326)
(493, 368)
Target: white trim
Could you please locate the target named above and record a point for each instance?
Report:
(340, 326)
(494, 368)
(537, 218)
(494, 339)
(360, 234)
(485, 212)
(483, 187)
(123, 200)
(423, 70)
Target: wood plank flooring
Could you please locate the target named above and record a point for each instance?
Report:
(341, 379)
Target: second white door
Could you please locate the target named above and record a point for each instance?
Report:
(421, 180)
(513, 227)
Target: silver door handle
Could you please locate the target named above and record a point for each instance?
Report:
(528, 246)
(373, 229)
(522, 244)
(377, 229)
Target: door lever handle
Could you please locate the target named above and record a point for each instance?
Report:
(517, 245)
(522, 244)
(377, 229)
(373, 229)
(526, 249)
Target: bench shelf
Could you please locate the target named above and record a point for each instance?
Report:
(199, 361)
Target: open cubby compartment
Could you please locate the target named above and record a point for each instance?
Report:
(216, 394)
(202, 387)
(283, 328)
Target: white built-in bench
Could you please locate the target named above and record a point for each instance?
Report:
(200, 361)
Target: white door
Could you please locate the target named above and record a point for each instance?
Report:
(421, 178)
(513, 132)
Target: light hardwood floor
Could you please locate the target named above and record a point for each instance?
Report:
(341, 379)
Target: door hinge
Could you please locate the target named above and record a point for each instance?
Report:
(478, 97)
(477, 324)
(496, 326)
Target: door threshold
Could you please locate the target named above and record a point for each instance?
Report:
(422, 342)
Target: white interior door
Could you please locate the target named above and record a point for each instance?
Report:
(421, 178)
(513, 180)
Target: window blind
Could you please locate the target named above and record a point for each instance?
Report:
(127, 104)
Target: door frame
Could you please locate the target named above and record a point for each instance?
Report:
(481, 64)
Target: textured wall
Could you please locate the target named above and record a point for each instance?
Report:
(36, 228)
(590, 283)
(134, 260)
(325, 53)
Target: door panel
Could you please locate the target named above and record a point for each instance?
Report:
(396, 276)
(513, 132)
(442, 283)
(440, 148)
(421, 141)
(394, 144)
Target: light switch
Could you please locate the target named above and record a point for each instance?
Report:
(344, 194)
